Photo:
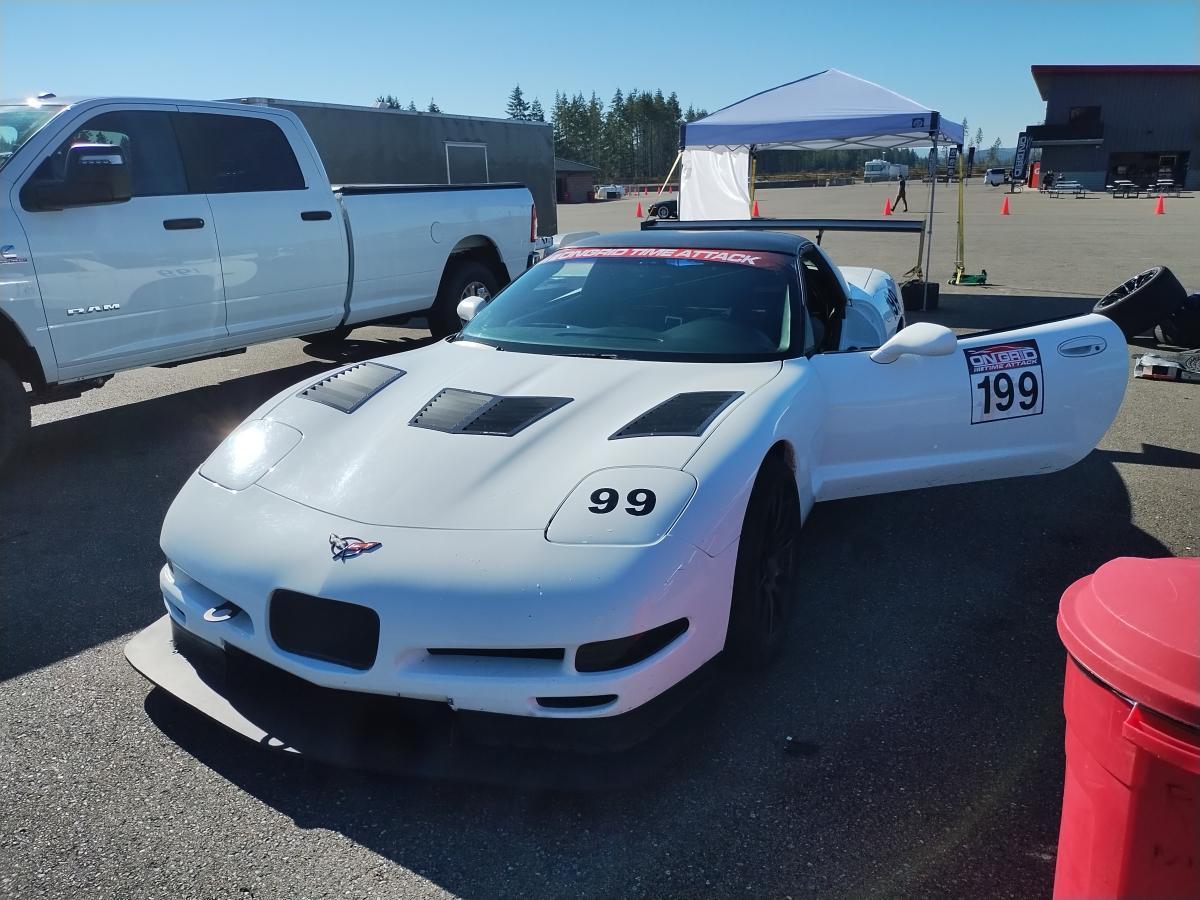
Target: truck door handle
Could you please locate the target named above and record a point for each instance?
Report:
(181, 224)
(316, 215)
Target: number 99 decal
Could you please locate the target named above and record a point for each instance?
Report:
(1006, 381)
(640, 501)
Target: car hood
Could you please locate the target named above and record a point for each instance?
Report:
(373, 467)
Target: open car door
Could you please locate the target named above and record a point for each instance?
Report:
(928, 409)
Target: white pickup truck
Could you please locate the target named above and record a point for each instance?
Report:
(147, 232)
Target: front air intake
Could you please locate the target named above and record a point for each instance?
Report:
(455, 411)
(348, 389)
(684, 415)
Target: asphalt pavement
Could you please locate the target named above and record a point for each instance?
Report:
(921, 685)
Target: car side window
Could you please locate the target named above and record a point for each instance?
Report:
(147, 142)
(823, 301)
(236, 154)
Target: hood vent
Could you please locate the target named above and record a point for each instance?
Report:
(350, 388)
(456, 411)
(684, 415)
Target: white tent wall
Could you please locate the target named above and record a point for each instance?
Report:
(714, 183)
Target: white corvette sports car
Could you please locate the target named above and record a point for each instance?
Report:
(598, 485)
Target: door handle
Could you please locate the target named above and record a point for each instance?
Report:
(316, 215)
(181, 224)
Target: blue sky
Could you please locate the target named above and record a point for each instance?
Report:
(970, 59)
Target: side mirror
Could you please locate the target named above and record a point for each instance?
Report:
(94, 173)
(918, 339)
(469, 307)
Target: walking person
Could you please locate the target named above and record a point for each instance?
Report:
(901, 196)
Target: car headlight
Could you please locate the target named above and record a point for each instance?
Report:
(249, 452)
(627, 506)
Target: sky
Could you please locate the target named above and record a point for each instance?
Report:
(963, 59)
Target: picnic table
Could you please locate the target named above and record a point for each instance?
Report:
(1068, 187)
(1162, 187)
(1124, 188)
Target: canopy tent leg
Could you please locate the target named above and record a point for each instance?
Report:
(662, 187)
(753, 178)
(929, 226)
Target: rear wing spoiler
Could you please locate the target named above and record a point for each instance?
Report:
(820, 226)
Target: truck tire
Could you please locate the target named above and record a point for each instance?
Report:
(1182, 327)
(465, 279)
(1143, 301)
(764, 580)
(14, 411)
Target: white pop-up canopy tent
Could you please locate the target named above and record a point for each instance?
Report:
(830, 110)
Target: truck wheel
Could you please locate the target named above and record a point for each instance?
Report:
(1143, 301)
(335, 336)
(467, 279)
(663, 212)
(14, 411)
(764, 579)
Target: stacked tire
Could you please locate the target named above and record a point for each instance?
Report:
(1182, 327)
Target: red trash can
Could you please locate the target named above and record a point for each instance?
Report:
(1131, 800)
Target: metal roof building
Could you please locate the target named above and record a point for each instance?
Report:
(1104, 123)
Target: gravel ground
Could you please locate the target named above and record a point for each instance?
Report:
(921, 685)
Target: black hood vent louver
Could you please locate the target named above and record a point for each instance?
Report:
(684, 415)
(456, 411)
(348, 389)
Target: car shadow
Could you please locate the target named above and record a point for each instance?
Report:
(82, 505)
(991, 311)
(916, 712)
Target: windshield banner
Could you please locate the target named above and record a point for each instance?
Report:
(738, 257)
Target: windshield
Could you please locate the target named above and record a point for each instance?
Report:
(647, 303)
(19, 123)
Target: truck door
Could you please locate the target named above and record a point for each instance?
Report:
(284, 254)
(1018, 402)
(133, 283)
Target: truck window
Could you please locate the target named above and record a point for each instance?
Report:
(234, 154)
(147, 141)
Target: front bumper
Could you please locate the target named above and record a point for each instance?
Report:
(287, 715)
(487, 591)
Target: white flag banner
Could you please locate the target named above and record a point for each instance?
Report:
(714, 183)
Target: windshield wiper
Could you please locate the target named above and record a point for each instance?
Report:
(596, 355)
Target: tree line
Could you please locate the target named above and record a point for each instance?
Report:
(635, 136)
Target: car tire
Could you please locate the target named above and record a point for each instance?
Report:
(1143, 301)
(1182, 327)
(14, 412)
(765, 573)
(463, 279)
(334, 336)
(663, 213)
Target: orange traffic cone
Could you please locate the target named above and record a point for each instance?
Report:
(1004, 207)
(887, 207)
(754, 211)
(1158, 209)
(639, 210)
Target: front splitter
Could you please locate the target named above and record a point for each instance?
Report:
(285, 714)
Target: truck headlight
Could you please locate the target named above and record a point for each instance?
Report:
(626, 506)
(250, 451)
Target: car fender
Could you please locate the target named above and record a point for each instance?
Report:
(788, 411)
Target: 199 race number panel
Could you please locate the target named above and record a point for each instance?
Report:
(1006, 381)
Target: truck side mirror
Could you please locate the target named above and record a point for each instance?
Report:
(94, 173)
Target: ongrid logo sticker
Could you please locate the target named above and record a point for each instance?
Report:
(1006, 381)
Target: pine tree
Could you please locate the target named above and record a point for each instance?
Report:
(433, 107)
(412, 107)
(536, 114)
(979, 138)
(993, 154)
(387, 101)
(517, 108)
